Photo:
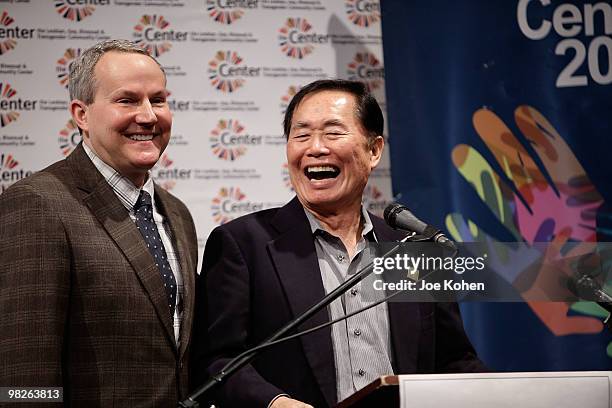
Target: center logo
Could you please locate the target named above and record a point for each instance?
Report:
(363, 13)
(69, 137)
(296, 39)
(152, 34)
(7, 115)
(9, 34)
(11, 107)
(75, 10)
(366, 68)
(224, 12)
(225, 140)
(225, 72)
(63, 65)
(226, 205)
(9, 173)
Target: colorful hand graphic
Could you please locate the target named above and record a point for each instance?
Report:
(552, 202)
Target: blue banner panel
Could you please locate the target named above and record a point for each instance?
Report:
(500, 114)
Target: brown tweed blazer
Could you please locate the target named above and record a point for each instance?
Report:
(82, 304)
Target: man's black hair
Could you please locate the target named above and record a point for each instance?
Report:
(366, 108)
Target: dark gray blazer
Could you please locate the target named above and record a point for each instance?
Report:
(259, 272)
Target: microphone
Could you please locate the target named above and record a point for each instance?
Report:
(400, 217)
(587, 288)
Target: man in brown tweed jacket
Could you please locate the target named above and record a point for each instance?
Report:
(82, 301)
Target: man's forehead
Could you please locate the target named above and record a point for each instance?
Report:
(331, 102)
(113, 67)
(331, 97)
(110, 58)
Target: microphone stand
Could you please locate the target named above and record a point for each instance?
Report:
(233, 366)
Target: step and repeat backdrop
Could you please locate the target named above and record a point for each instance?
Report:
(232, 68)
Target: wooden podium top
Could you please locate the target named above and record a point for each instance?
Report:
(381, 393)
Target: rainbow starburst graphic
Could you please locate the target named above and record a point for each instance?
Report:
(221, 15)
(286, 177)
(155, 21)
(69, 137)
(225, 194)
(165, 161)
(73, 13)
(214, 75)
(216, 140)
(286, 98)
(366, 61)
(9, 43)
(63, 65)
(7, 92)
(294, 51)
(362, 18)
(7, 161)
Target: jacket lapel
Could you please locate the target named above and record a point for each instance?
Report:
(106, 207)
(404, 317)
(178, 228)
(294, 256)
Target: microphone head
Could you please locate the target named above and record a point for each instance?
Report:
(584, 287)
(391, 212)
(400, 217)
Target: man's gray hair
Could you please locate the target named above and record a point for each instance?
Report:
(81, 80)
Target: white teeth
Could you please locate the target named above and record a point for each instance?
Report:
(141, 138)
(320, 168)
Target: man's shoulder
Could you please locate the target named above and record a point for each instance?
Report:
(261, 217)
(52, 180)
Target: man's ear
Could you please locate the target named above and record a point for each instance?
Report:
(376, 148)
(78, 110)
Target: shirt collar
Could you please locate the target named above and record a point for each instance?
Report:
(125, 190)
(368, 227)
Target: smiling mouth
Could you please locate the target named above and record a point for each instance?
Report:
(321, 172)
(141, 137)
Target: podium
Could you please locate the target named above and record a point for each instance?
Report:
(562, 389)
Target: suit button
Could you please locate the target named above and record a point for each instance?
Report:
(357, 332)
(354, 292)
(361, 372)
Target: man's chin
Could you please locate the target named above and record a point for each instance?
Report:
(323, 202)
(146, 159)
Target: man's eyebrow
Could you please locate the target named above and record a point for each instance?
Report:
(327, 123)
(127, 92)
(124, 92)
(300, 125)
(334, 122)
(162, 92)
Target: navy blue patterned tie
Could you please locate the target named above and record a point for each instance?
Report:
(143, 210)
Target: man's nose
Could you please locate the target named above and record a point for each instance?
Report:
(145, 113)
(318, 146)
